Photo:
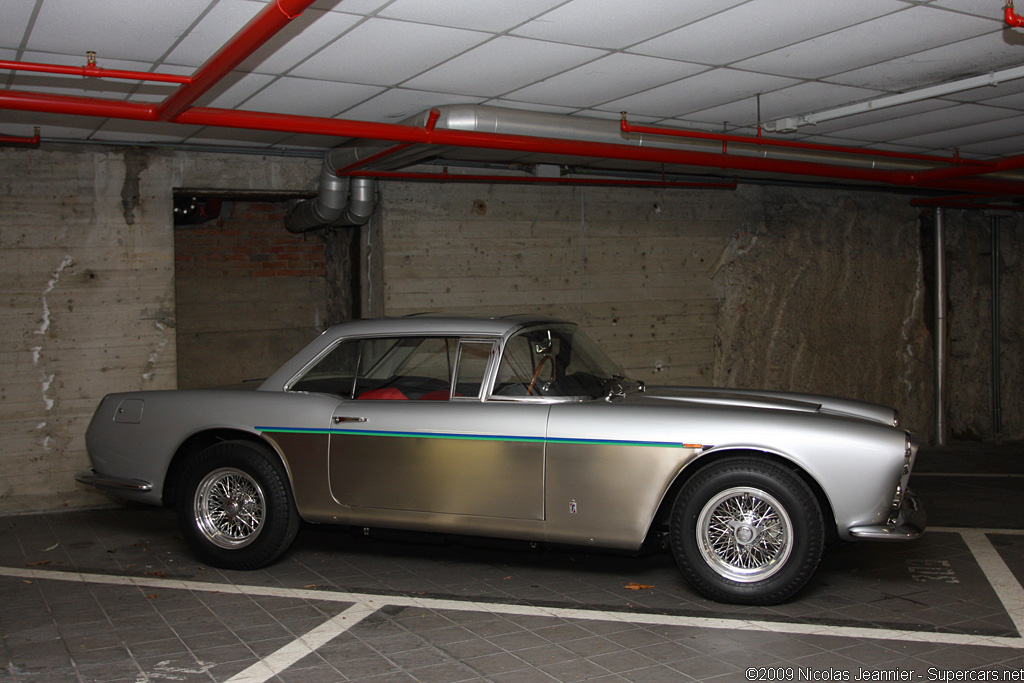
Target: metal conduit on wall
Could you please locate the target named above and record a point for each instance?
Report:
(940, 328)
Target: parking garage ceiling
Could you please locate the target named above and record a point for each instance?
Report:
(777, 68)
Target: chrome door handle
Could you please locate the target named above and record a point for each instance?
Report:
(340, 418)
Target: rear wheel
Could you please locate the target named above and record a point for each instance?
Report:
(747, 531)
(235, 506)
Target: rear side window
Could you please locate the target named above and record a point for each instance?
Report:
(398, 368)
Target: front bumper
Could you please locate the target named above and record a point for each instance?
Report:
(111, 483)
(909, 524)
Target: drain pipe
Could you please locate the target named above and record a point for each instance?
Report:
(940, 328)
(997, 400)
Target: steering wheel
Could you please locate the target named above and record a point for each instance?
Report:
(536, 373)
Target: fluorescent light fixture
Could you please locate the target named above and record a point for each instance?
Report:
(790, 124)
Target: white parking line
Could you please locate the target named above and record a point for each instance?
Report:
(270, 666)
(1002, 580)
(1005, 585)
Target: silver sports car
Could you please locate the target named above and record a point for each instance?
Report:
(520, 428)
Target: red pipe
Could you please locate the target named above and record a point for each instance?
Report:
(400, 133)
(15, 140)
(1010, 17)
(791, 144)
(79, 106)
(225, 118)
(93, 72)
(471, 178)
(253, 35)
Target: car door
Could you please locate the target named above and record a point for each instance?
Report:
(441, 452)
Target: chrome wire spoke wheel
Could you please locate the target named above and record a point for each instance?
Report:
(229, 508)
(744, 534)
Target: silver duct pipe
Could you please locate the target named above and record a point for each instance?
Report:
(333, 203)
(940, 328)
(342, 202)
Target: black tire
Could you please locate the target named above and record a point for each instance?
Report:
(235, 506)
(725, 555)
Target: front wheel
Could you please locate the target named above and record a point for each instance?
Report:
(747, 531)
(235, 507)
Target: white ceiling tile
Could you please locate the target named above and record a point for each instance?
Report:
(235, 89)
(608, 78)
(1013, 101)
(142, 131)
(397, 104)
(12, 28)
(473, 14)
(957, 116)
(13, 122)
(387, 52)
(597, 114)
(895, 35)
(760, 26)
(696, 93)
(214, 30)
(972, 57)
(303, 36)
(502, 65)
(236, 137)
(988, 93)
(998, 148)
(307, 97)
(615, 24)
(351, 6)
(122, 29)
(965, 136)
(981, 8)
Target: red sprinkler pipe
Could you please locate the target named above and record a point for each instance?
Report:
(398, 133)
(93, 71)
(79, 106)
(1010, 17)
(253, 35)
(15, 140)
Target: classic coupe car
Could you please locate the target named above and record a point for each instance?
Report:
(519, 428)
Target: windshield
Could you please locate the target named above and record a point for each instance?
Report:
(554, 361)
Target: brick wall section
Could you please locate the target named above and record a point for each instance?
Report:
(247, 240)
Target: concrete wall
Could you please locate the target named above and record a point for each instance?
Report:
(789, 289)
(86, 281)
(969, 268)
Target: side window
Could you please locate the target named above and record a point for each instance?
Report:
(415, 368)
(473, 359)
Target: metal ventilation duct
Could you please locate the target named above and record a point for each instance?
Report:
(340, 203)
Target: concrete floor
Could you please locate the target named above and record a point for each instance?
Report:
(113, 595)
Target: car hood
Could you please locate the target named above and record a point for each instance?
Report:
(772, 400)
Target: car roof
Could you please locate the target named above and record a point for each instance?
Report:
(460, 326)
(438, 324)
